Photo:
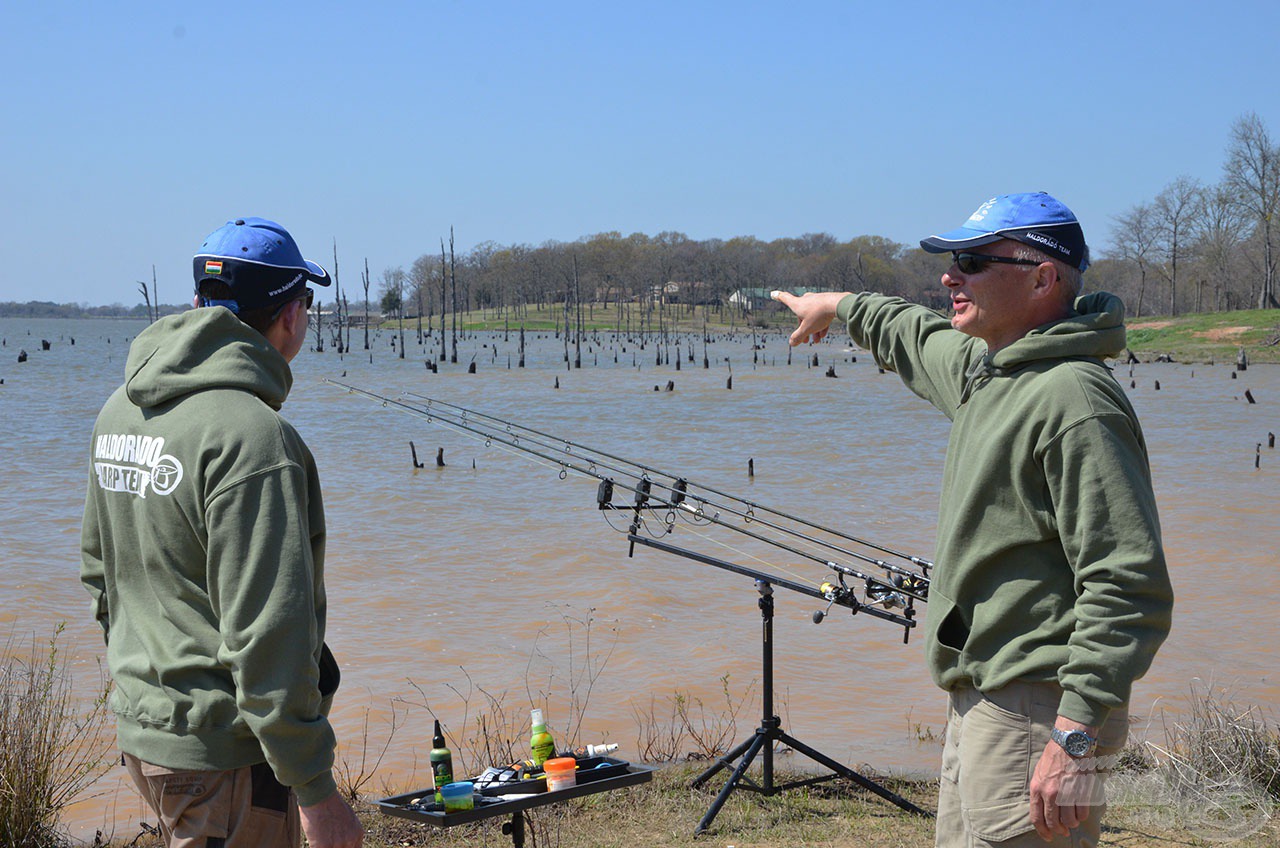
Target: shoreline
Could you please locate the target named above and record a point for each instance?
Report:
(1206, 338)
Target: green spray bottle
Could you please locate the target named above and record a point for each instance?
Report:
(541, 745)
(441, 762)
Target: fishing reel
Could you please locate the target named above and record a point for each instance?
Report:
(900, 592)
(891, 595)
(834, 594)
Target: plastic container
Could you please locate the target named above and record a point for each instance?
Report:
(561, 773)
(457, 796)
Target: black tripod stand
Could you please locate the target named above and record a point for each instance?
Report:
(769, 732)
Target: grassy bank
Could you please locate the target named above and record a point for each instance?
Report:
(1202, 337)
(1205, 772)
(1209, 336)
(664, 813)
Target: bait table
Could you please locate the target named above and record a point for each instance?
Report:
(493, 801)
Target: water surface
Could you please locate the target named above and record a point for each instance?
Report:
(449, 583)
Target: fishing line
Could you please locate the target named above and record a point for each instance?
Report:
(777, 566)
(568, 445)
(663, 501)
(462, 420)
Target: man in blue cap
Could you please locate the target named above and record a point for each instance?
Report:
(1051, 593)
(202, 548)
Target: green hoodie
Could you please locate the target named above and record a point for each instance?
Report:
(203, 550)
(1049, 560)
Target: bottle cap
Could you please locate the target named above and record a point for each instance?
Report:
(535, 718)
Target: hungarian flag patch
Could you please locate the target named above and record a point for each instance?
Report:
(212, 266)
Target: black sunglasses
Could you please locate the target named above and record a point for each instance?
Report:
(976, 263)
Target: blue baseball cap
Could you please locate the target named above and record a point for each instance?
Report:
(1033, 218)
(259, 261)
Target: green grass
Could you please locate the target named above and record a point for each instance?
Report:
(1209, 336)
(664, 813)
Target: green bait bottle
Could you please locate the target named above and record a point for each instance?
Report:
(541, 745)
(441, 762)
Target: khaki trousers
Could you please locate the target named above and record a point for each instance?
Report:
(994, 741)
(242, 808)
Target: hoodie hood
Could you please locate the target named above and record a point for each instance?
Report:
(1096, 330)
(203, 349)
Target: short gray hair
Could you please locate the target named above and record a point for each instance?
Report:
(1072, 278)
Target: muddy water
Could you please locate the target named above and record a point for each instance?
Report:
(453, 586)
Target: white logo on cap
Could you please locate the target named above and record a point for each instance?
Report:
(1049, 242)
(983, 210)
(286, 286)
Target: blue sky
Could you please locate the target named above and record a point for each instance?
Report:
(131, 130)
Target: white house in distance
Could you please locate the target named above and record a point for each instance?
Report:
(751, 299)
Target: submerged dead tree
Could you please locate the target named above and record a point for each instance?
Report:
(453, 282)
(337, 300)
(444, 282)
(146, 297)
(365, 281)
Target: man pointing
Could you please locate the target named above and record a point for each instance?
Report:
(1051, 594)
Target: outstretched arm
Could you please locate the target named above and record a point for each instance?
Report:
(816, 311)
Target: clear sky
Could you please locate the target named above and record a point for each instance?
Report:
(131, 130)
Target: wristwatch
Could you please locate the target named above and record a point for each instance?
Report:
(1076, 743)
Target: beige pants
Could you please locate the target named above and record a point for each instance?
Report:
(243, 808)
(994, 742)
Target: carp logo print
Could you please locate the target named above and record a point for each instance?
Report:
(135, 464)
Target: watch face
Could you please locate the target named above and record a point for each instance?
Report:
(1077, 744)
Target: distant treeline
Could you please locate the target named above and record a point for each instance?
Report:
(1193, 248)
(49, 309)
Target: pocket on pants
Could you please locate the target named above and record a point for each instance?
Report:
(192, 804)
(994, 754)
(993, 761)
(264, 827)
(998, 822)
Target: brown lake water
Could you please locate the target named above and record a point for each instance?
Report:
(449, 583)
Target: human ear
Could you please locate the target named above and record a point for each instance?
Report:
(296, 311)
(1046, 279)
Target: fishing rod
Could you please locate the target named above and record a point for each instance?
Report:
(660, 498)
(569, 446)
(679, 491)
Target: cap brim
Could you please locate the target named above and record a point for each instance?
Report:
(958, 240)
(319, 275)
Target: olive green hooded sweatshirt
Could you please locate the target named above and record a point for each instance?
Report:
(203, 551)
(1049, 560)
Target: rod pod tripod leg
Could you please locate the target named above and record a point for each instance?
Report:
(769, 732)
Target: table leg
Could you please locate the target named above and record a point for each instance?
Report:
(515, 828)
